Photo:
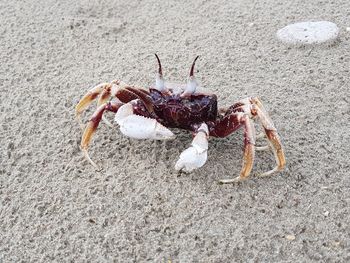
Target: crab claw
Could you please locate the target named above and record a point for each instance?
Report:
(195, 156)
(139, 127)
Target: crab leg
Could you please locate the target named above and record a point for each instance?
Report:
(272, 136)
(89, 98)
(275, 144)
(105, 96)
(249, 151)
(196, 155)
(92, 126)
(261, 135)
(127, 94)
(105, 91)
(262, 148)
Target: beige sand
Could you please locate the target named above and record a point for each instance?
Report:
(56, 207)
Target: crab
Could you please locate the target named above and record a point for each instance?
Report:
(149, 113)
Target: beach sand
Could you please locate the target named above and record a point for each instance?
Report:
(54, 206)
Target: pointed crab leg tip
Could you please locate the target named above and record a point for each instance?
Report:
(107, 122)
(80, 122)
(262, 148)
(87, 157)
(231, 181)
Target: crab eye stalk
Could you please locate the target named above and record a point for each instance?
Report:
(192, 67)
(192, 83)
(159, 76)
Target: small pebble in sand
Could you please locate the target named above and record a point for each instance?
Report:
(307, 33)
(290, 237)
(326, 213)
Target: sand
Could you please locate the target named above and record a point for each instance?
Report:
(54, 207)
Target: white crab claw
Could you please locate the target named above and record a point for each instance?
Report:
(191, 159)
(123, 112)
(139, 127)
(195, 156)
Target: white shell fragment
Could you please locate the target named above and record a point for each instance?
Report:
(308, 33)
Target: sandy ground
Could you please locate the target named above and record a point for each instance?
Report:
(56, 207)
